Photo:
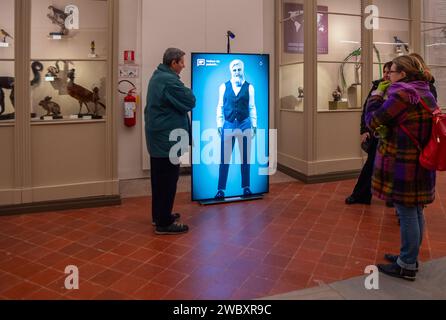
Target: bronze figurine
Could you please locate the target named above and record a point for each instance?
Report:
(337, 94)
(51, 107)
(5, 35)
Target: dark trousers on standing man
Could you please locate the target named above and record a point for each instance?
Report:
(363, 188)
(243, 138)
(164, 179)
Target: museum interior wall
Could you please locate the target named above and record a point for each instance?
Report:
(53, 149)
(199, 26)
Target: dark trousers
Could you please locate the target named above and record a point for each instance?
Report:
(164, 179)
(363, 188)
(228, 142)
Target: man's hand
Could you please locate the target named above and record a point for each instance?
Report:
(365, 136)
(383, 86)
(220, 131)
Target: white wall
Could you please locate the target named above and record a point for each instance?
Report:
(193, 26)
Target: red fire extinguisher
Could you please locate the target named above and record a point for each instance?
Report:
(130, 109)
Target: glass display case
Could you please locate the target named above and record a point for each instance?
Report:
(291, 70)
(7, 79)
(73, 60)
(7, 101)
(61, 144)
(433, 43)
(339, 63)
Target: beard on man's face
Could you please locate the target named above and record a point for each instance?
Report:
(238, 80)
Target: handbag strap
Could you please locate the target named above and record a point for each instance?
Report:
(414, 140)
(410, 135)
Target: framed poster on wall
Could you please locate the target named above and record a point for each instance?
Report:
(293, 14)
(230, 125)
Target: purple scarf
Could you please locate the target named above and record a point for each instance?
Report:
(414, 89)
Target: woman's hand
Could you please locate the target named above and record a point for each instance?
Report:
(364, 137)
(383, 86)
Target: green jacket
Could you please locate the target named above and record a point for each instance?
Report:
(168, 104)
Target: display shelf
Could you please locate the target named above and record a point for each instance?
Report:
(70, 59)
(7, 123)
(339, 110)
(291, 110)
(38, 122)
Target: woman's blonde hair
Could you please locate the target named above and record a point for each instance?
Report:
(414, 67)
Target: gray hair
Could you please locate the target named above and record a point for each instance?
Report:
(171, 55)
(236, 62)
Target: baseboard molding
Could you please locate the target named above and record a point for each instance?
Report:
(327, 177)
(60, 205)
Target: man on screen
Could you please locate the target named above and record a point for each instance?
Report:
(236, 119)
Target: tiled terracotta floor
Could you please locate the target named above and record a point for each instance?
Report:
(299, 236)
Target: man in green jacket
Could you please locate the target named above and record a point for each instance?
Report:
(168, 104)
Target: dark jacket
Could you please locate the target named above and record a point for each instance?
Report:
(433, 89)
(168, 104)
(364, 128)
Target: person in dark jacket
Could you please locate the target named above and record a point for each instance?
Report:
(398, 175)
(362, 193)
(168, 104)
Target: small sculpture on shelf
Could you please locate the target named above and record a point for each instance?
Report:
(337, 94)
(83, 96)
(301, 93)
(5, 35)
(8, 83)
(92, 53)
(58, 77)
(51, 107)
(337, 102)
(399, 46)
(58, 17)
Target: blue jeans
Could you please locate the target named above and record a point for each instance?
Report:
(412, 229)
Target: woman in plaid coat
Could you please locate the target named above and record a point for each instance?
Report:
(398, 176)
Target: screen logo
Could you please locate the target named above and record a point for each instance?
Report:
(201, 62)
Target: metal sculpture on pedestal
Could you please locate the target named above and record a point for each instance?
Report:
(352, 90)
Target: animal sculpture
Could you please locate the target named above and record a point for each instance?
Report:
(83, 95)
(51, 107)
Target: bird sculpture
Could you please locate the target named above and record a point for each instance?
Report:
(58, 17)
(399, 43)
(5, 35)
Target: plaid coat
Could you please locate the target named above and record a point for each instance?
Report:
(398, 176)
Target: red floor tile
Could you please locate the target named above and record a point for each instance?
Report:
(299, 236)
